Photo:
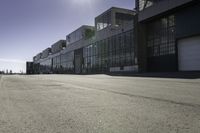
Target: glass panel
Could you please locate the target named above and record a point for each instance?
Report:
(103, 21)
(161, 36)
(123, 19)
(115, 51)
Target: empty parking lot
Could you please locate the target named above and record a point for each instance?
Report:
(98, 104)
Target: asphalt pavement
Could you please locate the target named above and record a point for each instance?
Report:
(98, 104)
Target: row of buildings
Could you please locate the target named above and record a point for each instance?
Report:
(157, 36)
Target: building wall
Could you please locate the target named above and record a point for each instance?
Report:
(159, 7)
(29, 68)
(46, 66)
(141, 46)
(156, 44)
(78, 61)
(112, 54)
(189, 18)
(38, 56)
(56, 63)
(111, 49)
(157, 37)
(58, 46)
(67, 62)
(113, 23)
(165, 63)
(82, 33)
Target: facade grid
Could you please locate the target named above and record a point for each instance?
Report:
(161, 36)
(158, 36)
(114, 51)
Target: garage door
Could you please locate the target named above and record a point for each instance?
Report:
(189, 54)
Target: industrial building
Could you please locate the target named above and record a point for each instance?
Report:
(113, 49)
(106, 47)
(168, 35)
(158, 36)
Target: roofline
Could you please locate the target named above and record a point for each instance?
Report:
(134, 11)
(58, 41)
(114, 7)
(46, 49)
(80, 28)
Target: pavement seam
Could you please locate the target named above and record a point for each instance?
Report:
(139, 96)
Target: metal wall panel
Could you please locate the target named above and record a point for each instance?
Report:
(160, 7)
(188, 21)
(188, 54)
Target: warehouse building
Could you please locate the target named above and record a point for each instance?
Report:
(113, 49)
(159, 36)
(168, 35)
(73, 54)
(106, 47)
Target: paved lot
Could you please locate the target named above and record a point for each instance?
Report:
(98, 104)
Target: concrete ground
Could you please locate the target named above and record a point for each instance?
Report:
(98, 104)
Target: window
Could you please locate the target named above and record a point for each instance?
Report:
(67, 61)
(161, 36)
(123, 19)
(115, 51)
(45, 66)
(78, 35)
(103, 21)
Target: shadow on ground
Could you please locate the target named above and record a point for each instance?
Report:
(178, 75)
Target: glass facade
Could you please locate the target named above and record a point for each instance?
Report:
(161, 37)
(75, 36)
(89, 33)
(103, 21)
(115, 51)
(45, 66)
(67, 62)
(123, 19)
(64, 63)
(56, 63)
(105, 53)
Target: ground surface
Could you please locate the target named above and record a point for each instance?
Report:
(98, 104)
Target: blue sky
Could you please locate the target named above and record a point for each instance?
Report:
(29, 26)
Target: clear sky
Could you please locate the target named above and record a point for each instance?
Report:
(29, 26)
